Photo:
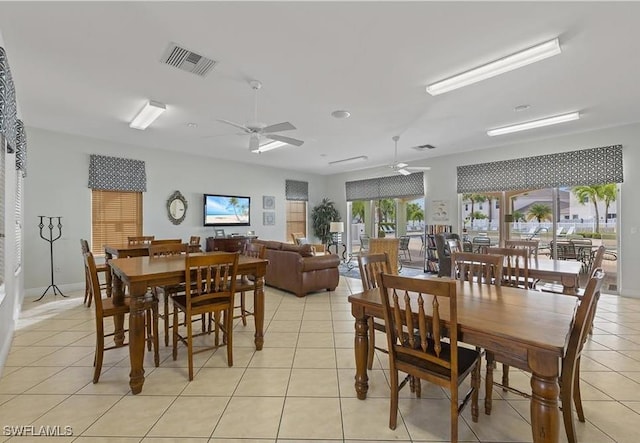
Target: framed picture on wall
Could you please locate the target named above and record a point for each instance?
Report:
(268, 202)
(268, 218)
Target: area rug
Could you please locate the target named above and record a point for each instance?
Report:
(351, 270)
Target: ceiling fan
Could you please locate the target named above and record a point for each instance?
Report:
(258, 130)
(403, 168)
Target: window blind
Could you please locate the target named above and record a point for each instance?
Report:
(8, 107)
(116, 174)
(115, 216)
(396, 186)
(21, 149)
(575, 168)
(296, 190)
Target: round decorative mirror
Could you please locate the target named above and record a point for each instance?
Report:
(177, 208)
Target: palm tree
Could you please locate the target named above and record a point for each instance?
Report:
(414, 212)
(233, 203)
(357, 211)
(593, 194)
(474, 198)
(609, 194)
(539, 211)
(517, 216)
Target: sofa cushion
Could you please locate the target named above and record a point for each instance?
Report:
(306, 250)
(270, 244)
(289, 247)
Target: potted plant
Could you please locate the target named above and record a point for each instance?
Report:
(321, 217)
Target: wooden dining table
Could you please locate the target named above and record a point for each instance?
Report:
(530, 326)
(141, 273)
(565, 271)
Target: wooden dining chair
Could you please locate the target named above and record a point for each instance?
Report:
(429, 354)
(101, 269)
(515, 266)
(244, 283)
(210, 289)
(140, 240)
(194, 244)
(570, 372)
(532, 246)
(105, 308)
(371, 266)
(166, 241)
(159, 248)
(477, 268)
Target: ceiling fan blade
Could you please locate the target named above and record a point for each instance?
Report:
(419, 168)
(289, 140)
(401, 165)
(403, 171)
(254, 142)
(237, 125)
(284, 126)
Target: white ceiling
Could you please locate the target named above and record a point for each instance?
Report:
(87, 67)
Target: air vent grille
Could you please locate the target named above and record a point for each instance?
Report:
(187, 60)
(423, 147)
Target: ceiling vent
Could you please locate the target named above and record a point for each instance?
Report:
(423, 147)
(187, 60)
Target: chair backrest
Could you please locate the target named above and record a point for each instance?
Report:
(219, 233)
(84, 246)
(194, 240)
(168, 241)
(481, 243)
(404, 242)
(94, 282)
(212, 278)
(371, 266)
(565, 249)
(515, 267)
(167, 249)
(424, 297)
(255, 250)
(580, 326)
(295, 236)
(140, 240)
(478, 268)
(596, 260)
(530, 245)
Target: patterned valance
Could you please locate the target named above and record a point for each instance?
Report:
(296, 190)
(21, 148)
(575, 168)
(8, 108)
(396, 186)
(116, 174)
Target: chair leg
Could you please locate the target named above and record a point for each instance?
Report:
(166, 318)
(372, 344)
(190, 347)
(243, 309)
(156, 339)
(475, 383)
(97, 361)
(453, 413)
(175, 333)
(87, 292)
(393, 412)
(577, 398)
(505, 377)
(149, 327)
(228, 320)
(567, 412)
(488, 384)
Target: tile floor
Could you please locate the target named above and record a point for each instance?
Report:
(298, 388)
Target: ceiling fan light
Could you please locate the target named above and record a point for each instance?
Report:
(268, 146)
(147, 115)
(401, 165)
(534, 124)
(497, 67)
(404, 172)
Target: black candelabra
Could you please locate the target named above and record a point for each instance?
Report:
(51, 239)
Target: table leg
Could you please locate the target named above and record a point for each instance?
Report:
(545, 416)
(361, 346)
(137, 336)
(118, 300)
(258, 312)
(570, 284)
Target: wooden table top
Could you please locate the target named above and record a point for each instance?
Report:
(528, 317)
(143, 268)
(558, 266)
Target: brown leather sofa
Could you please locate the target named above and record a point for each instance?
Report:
(294, 268)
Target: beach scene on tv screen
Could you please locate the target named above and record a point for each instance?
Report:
(226, 210)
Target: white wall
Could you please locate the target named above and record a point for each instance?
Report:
(440, 184)
(56, 185)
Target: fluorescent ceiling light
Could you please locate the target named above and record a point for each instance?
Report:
(269, 146)
(500, 66)
(150, 111)
(360, 158)
(534, 124)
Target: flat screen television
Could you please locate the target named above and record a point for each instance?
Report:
(226, 210)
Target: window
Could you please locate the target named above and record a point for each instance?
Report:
(296, 217)
(116, 215)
